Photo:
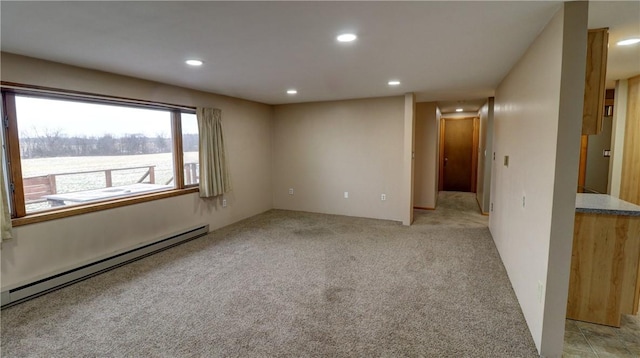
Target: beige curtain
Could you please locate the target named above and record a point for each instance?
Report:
(5, 225)
(214, 176)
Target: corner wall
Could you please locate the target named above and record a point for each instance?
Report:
(485, 155)
(437, 173)
(323, 149)
(538, 116)
(617, 137)
(45, 248)
(408, 153)
(426, 158)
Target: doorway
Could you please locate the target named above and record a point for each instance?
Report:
(595, 152)
(458, 156)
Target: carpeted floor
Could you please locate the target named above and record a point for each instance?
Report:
(292, 284)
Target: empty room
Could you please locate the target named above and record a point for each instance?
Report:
(320, 179)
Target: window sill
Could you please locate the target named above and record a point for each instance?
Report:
(98, 206)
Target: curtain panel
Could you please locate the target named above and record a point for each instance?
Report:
(6, 232)
(214, 175)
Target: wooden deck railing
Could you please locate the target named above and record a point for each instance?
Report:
(191, 174)
(36, 187)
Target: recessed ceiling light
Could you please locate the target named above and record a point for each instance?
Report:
(394, 83)
(194, 62)
(292, 91)
(346, 37)
(459, 109)
(628, 42)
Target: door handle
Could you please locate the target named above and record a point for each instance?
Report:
(445, 161)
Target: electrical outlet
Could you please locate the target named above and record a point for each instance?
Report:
(506, 161)
(346, 195)
(540, 291)
(491, 206)
(224, 203)
(383, 197)
(524, 200)
(290, 191)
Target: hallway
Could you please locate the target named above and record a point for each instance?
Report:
(454, 209)
(582, 340)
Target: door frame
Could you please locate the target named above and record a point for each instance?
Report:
(474, 152)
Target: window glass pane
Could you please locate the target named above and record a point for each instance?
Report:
(190, 148)
(77, 152)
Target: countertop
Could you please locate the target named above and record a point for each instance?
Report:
(605, 204)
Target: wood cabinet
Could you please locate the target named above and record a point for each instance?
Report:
(604, 282)
(595, 74)
(630, 176)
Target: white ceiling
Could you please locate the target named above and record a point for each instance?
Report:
(442, 51)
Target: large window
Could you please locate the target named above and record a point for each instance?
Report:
(190, 149)
(66, 151)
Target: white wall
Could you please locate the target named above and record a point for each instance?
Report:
(44, 248)
(408, 154)
(538, 114)
(485, 155)
(617, 137)
(426, 160)
(460, 115)
(438, 122)
(323, 149)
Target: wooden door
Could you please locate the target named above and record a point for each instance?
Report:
(457, 172)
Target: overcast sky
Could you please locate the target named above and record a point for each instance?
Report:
(93, 120)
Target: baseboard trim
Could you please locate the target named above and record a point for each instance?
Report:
(27, 291)
(423, 208)
(480, 207)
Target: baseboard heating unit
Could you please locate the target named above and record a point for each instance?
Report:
(24, 292)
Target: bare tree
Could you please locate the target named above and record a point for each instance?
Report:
(190, 142)
(106, 145)
(54, 142)
(162, 144)
(133, 144)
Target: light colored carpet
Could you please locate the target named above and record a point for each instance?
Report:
(454, 210)
(292, 284)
